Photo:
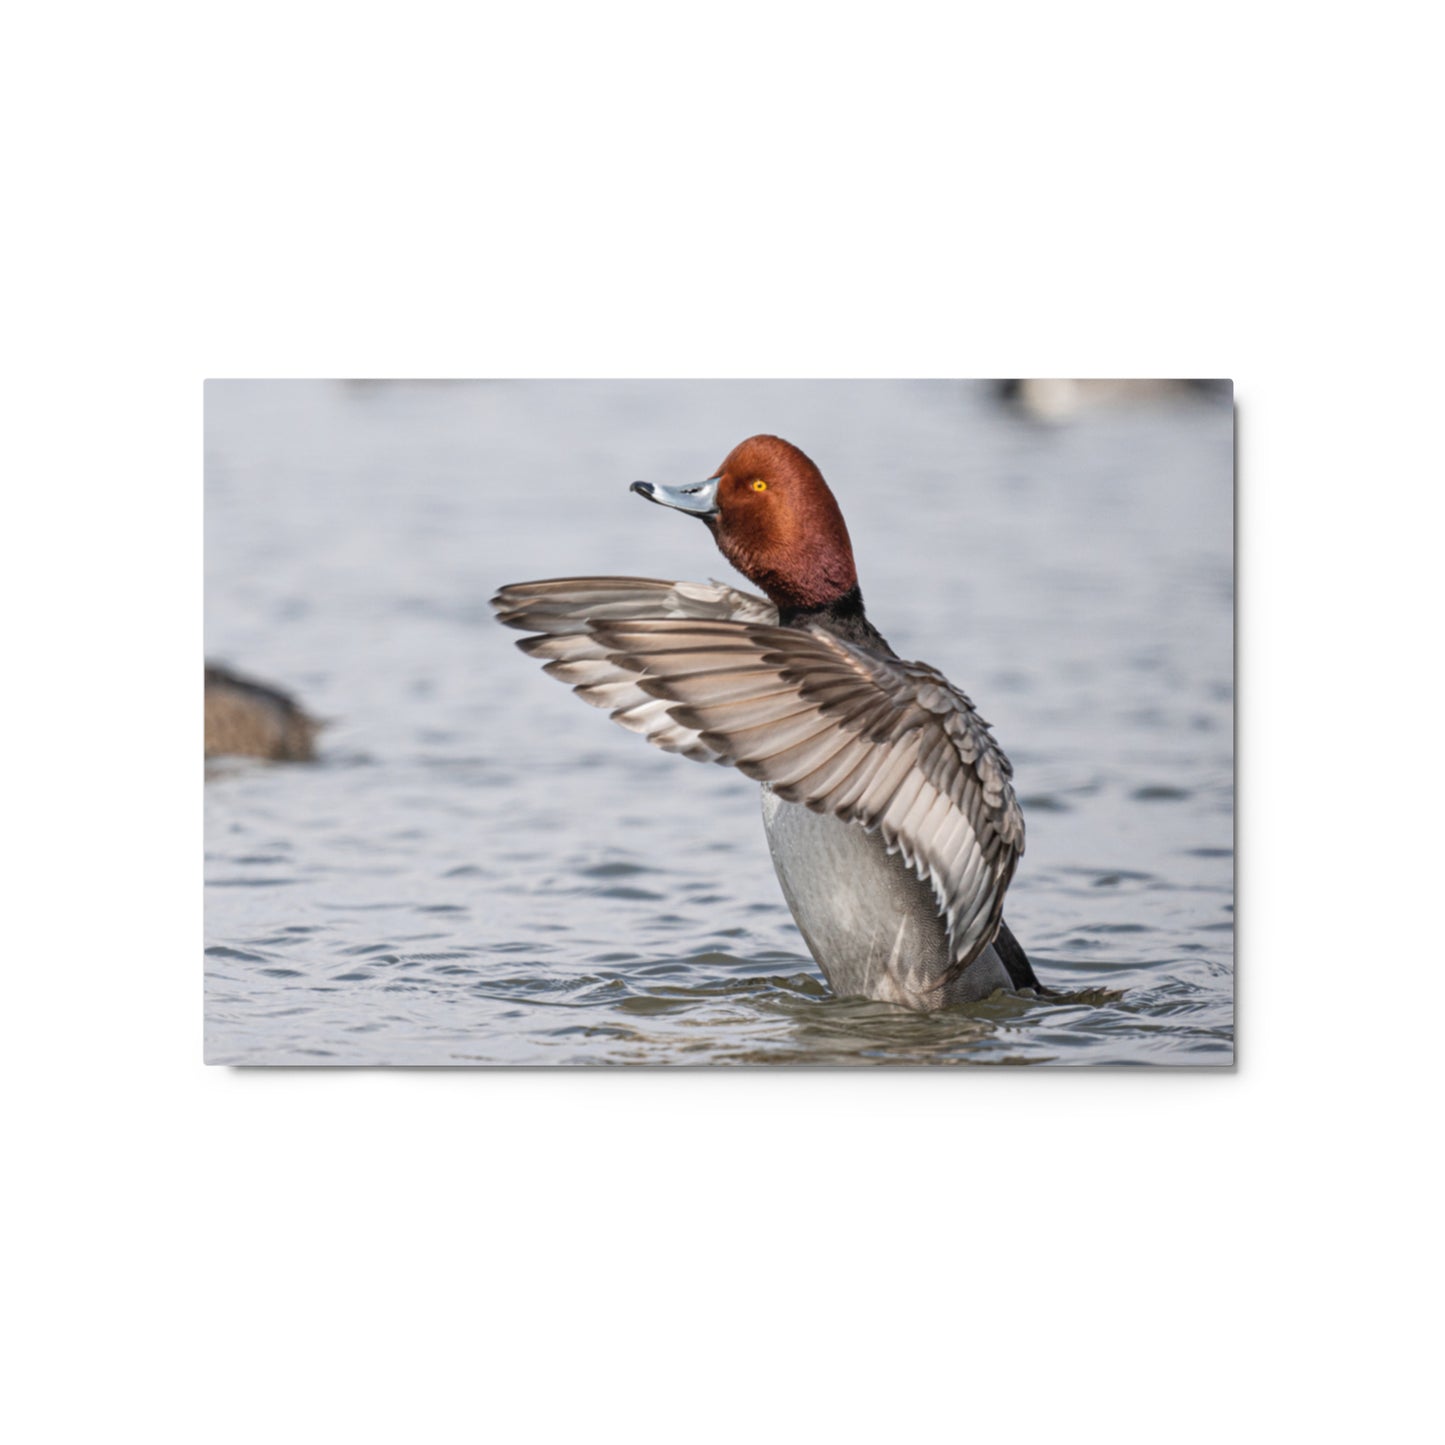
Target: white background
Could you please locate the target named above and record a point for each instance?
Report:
(764, 189)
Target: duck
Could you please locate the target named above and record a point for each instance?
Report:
(247, 718)
(887, 804)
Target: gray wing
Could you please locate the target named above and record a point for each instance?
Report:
(890, 745)
(563, 612)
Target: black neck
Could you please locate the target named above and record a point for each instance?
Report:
(844, 617)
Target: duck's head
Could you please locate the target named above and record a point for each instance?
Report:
(774, 519)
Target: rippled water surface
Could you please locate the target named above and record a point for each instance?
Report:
(481, 869)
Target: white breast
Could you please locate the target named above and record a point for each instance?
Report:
(871, 925)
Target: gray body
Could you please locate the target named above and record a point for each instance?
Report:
(871, 924)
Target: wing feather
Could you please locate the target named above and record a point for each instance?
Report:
(563, 611)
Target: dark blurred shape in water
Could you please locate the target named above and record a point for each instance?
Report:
(246, 718)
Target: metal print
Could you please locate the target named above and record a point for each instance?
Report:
(959, 657)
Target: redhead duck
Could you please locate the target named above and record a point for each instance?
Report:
(887, 804)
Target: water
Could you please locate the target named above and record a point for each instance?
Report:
(481, 869)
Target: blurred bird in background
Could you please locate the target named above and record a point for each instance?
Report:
(252, 719)
(1059, 398)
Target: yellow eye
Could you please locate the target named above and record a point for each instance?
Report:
(759, 485)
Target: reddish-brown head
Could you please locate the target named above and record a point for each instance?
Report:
(775, 520)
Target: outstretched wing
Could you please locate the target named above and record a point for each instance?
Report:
(890, 745)
(563, 611)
